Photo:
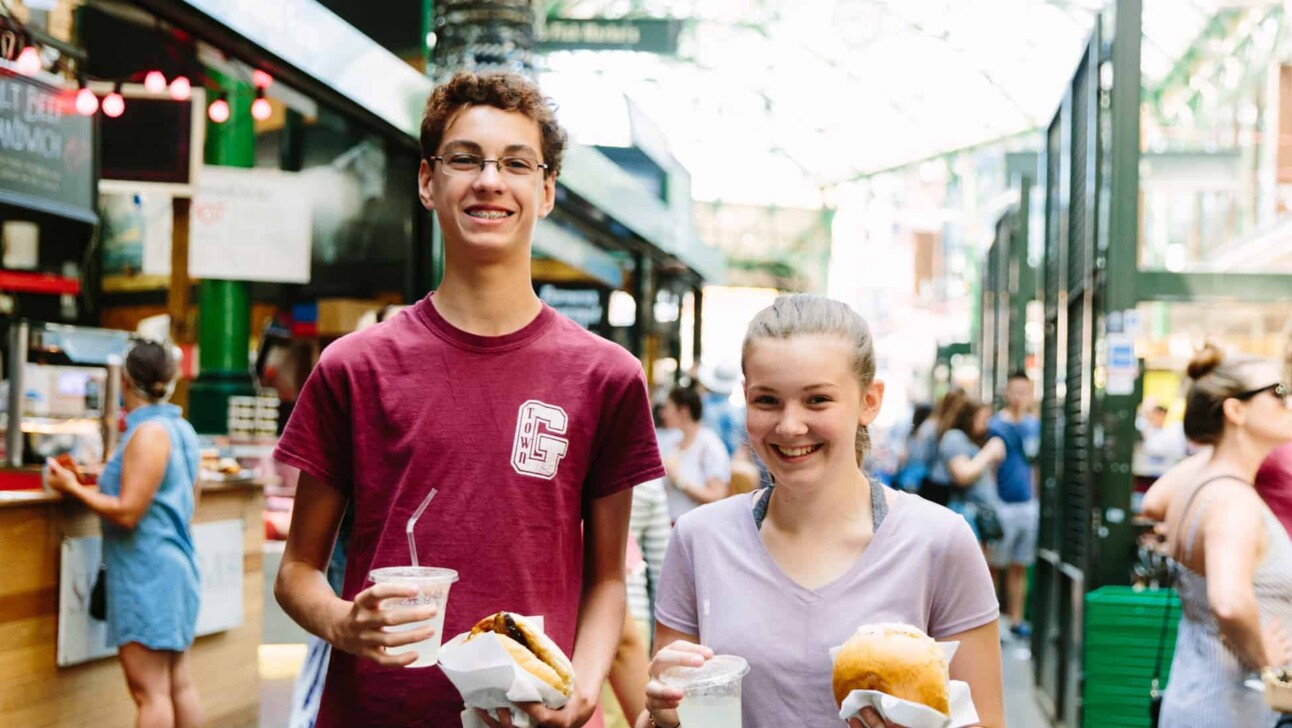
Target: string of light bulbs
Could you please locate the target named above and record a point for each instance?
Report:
(29, 62)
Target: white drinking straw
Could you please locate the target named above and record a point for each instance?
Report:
(412, 545)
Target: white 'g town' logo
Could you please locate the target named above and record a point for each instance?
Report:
(538, 452)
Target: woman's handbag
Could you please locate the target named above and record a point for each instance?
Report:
(99, 595)
(1154, 691)
(988, 523)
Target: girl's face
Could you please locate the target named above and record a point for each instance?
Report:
(670, 415)
(804, 406)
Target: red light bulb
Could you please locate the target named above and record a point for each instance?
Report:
(28, 61)
(260, 79)
(113, 105)
(86, 102)
(155, 82)
(260, 109)
(218, 111)
(180, 88)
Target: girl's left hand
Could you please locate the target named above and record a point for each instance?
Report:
(870, 719)
(60, 478)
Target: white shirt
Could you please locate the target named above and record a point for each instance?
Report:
(706, 458)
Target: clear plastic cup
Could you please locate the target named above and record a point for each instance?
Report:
(712, 691)
(432, 588)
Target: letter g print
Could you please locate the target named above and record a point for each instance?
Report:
(537, 450)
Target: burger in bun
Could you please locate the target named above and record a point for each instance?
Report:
(896, 659)
(531, 649)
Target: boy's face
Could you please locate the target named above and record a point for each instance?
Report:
(489, 213)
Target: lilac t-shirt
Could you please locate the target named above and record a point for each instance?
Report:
(922, 567)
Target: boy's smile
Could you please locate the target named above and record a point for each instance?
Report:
(490, 211)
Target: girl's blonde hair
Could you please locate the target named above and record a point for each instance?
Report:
(805, 314)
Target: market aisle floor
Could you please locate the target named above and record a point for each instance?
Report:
(1021, 710)
(280, 663)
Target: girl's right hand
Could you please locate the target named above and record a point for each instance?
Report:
(870, 719)
(362, 630)
(662, 700)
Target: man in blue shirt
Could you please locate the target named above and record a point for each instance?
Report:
(1016, 485)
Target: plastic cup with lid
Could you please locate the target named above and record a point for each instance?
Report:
(432, 588)
(711, 691)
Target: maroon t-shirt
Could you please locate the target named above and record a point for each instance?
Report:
(1274, 483)
(516, 432)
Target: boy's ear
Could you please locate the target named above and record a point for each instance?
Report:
(549, 196)
(425, 182)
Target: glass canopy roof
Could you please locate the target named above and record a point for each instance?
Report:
(774, 101)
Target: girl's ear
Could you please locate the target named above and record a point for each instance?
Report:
(871, 401)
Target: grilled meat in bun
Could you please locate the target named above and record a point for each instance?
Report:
(531, 649)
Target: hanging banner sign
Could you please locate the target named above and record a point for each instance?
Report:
(648, 35)
(250, 225)
(587, 306)
(46, 150)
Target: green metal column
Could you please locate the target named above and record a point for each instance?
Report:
(1115, 537)
(224, 307)
(1022, 275)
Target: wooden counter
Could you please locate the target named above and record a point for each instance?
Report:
(35, 692)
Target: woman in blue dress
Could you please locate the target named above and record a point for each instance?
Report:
(145, 499)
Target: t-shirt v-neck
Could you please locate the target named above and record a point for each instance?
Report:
(805, 594)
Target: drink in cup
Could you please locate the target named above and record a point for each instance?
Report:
(432, 588)
(712, 691)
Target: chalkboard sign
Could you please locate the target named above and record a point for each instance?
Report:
(46, 149)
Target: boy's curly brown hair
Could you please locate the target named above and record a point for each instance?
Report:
(506, 91)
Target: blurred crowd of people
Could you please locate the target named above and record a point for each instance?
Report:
(980, 463)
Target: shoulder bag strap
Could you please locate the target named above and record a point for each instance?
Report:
(1166, 613)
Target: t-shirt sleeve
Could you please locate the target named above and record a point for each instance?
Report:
(627, 451)
(963, 595)
(717, 462)
(675, 601)
(317, 438)
(955, 443)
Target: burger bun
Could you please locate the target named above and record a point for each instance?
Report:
(896, 659)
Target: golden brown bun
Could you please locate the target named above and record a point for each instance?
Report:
(531, 649)
(535, 666)
(896, 659)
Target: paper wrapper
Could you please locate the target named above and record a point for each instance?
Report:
(487, 677)
(915, 715)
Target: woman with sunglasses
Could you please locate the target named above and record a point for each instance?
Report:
(1235, 558)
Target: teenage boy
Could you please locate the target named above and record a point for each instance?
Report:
(533, 431)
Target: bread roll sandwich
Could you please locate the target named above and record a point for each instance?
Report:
(531, 649)
(896, 659)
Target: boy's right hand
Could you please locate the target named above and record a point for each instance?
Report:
(662, 700)
(361, 630)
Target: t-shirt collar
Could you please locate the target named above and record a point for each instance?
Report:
(438, 325)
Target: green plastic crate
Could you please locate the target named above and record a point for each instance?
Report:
(1122, 630)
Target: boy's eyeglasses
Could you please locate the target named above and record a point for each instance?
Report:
(461, 164)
